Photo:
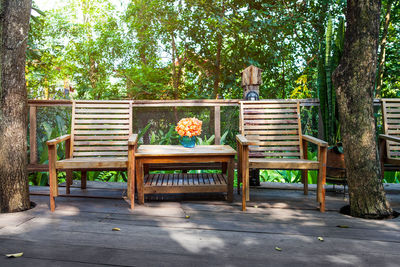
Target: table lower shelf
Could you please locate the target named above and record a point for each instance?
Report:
(185, 183)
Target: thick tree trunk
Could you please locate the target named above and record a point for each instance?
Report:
(14, 26)
(354, 80)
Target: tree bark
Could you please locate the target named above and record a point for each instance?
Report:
(354, 80)
(382, 55)
(14, 26)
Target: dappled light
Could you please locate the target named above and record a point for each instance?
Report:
(199, 133)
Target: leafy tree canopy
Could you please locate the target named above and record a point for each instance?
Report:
(167, 49)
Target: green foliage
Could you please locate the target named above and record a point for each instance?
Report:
(167, 138)
(175, 49)
(392, 177)
(190, 49)
(391, 82)
(330, 53)
(289, 176)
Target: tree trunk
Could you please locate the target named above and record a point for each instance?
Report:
(382, 54)
(14, 26)
(354, 80)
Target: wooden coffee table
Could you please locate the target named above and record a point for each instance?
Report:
(184, 182)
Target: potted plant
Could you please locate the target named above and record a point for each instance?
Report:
(188, 129)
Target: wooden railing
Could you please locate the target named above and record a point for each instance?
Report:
(33, 165)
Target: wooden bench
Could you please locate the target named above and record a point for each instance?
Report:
(271, 138)
(101, 139)
(389, 142)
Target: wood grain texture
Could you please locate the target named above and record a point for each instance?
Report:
(217, 125)
(177, 150)
(98, 141)
(32, 135)
(271, 138)
(92, 163)
(184, 182)
(391, 126)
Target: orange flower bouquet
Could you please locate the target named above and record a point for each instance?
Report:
(188, 129)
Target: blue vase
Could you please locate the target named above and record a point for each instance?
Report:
(187, 141)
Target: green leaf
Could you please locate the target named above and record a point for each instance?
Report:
(15, 255)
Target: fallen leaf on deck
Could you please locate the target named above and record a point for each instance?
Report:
(15, 255)
(187, 216)
(343, 226)
(278, 249)
(255, 206)
(116, 229)
(320, 239)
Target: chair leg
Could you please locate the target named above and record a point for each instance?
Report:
(322, 178)
(244, 195)
(247, 181)
(52, 176)
(239, 180)
(52, 203)
(68, 182)
(53, 189)
(304, 178)
(83, 180)
(239, 169)
(245, 186)
(239, 176)
(382, 156)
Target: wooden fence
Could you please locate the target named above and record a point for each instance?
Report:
(33, 165)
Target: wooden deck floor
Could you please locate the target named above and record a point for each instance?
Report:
(197, 230)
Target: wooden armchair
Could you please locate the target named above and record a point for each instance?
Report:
(271, 138)
(101, 139)
(389, 142)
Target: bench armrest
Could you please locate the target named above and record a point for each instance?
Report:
(58, 140)
(314, 140)
(132, 139)
(242, 140)
(389, 138)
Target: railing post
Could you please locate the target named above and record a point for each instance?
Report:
(217, 124)
(32, 135)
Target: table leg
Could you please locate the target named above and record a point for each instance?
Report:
(224, 166)
(146, 168)
(131, 176)
(140, 180)
(231, 171)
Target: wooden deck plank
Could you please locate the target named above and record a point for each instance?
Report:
(79, 232)
(81, 255)
(199, 238)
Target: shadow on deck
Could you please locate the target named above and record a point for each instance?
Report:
(196, 230)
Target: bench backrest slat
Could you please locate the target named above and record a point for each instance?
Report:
(391, 125)
(272, 127)
(101, 128)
